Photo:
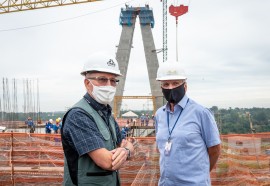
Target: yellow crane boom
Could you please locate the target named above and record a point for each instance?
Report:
(8, 6)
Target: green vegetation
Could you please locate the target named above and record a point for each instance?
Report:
(222, 169)
(44, 116)
(255, 165)
(237, 120)
(229, 120)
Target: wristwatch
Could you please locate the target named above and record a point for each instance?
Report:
(127, 149)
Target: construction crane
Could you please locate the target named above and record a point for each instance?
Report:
(174, 11)
(164, 5)
(177, 11)
(8, 6)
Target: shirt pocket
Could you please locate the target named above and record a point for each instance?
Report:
(182, 139)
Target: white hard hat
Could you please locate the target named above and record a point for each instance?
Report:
(170, 70)
(51, 121)
(101, 63)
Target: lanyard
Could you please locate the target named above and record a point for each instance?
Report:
(168, 122)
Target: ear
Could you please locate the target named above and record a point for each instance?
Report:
(87, 85)
(185, 86)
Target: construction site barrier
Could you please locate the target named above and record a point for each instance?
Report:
(37, 159)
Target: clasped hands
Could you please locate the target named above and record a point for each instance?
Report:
(119, 156)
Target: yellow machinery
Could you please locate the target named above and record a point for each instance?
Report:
(119, 98)
(8, 6)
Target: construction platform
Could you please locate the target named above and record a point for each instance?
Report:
(37, 159)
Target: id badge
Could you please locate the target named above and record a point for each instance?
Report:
(168, 147)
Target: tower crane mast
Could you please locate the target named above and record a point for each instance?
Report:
(174, 11)
(165, 9)
(8, 6)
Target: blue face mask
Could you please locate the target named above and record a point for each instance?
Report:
(174, 95)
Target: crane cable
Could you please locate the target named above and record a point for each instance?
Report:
(176, 2)
(62, 20)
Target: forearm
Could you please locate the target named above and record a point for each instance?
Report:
(102, 157)
(214, 153)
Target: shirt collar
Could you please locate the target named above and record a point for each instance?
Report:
(182, 103)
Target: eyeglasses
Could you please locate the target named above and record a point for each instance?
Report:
(103, 80)
(166, 85)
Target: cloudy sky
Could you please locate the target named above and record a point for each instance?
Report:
(224, 46)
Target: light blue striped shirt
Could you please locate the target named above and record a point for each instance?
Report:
(188, 162)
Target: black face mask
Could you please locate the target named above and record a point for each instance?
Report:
(174, 95)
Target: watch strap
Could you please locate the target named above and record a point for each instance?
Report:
(127, 149)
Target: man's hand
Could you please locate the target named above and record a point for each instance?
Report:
(123, 143)
(119, 157)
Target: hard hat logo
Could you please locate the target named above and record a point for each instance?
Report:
(101, 62)
(111, 63)
(172, 72)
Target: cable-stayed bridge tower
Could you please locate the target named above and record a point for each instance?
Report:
(127, 19)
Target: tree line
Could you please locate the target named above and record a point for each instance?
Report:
(231, 120)
(238, 120)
